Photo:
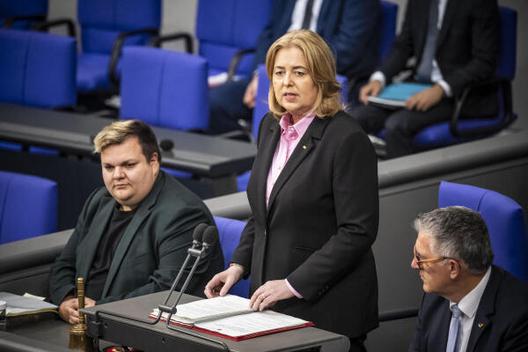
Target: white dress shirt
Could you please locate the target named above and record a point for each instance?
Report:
(468, 306)
(298, 14)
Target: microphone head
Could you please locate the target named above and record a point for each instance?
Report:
(166, 145)
(198, 234)
(210, 236)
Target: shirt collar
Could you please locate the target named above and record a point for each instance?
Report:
(300, 127)
(470, 302)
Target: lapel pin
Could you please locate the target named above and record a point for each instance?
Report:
(304, 146)
(481, 325)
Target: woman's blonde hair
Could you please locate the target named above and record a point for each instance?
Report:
(321, 68)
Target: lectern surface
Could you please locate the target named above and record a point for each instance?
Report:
(118, 323)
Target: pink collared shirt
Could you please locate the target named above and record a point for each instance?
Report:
(291, 134)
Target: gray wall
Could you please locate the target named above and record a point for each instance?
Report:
(178, 15)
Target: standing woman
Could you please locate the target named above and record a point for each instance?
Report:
(313, 194)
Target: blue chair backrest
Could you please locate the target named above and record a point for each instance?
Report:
(164, 88)
(389, 11)
(225, 26)
(28, 206)
(12, 8)
(101, 21)
(229, 231)
(37, 69)
(504, 219)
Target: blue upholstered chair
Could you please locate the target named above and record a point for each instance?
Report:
(227, 33)
(106, 26)
(229, 232)
(37, 69)
(164, 88)
(230, 28)
(28, 206)
(504, 219)
(22, 14)
(458, 131)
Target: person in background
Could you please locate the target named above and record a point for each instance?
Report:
(469, 304)
(313, 195)
(132, 235)
(350, 27)
(455, 45)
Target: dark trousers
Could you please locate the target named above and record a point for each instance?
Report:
(400, 125)
(226, 106)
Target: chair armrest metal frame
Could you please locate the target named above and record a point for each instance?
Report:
(235, 62)
(70, 26)
(186, 37)
(118, 47)
(506, 97)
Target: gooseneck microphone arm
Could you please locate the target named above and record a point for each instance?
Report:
(191, 252)
(210, 235)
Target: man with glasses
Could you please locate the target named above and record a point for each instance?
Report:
(469, 304)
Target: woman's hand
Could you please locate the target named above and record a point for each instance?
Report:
(269, 294)
(222, 282)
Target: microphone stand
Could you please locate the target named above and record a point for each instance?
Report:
(200, 231)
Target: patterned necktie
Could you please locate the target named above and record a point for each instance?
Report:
(454, 327)
(423, 73)
(307, 15)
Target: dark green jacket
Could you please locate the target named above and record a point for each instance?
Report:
(151, 250)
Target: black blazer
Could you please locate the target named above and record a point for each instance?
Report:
(467, 47)
(151, 250)
(501, 321)
(320, 224)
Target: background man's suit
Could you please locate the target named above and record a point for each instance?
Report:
(151, 250)
(319, 226)
(350, 27)
(466, 52)
(501, 321)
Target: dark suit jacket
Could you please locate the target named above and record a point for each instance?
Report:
(502, 315)
(320, 224)
(151, 250)
(467, 47)
(350, 27)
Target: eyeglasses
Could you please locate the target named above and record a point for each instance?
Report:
(420, 262)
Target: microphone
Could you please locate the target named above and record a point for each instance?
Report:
(166, 145)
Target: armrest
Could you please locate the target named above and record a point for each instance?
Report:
(243, 134)
(398, 314)
(186, 37)
(8, 22)
(32, 252)
(235, 61)
(118, 46)
(507, 110)
(70, 26)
